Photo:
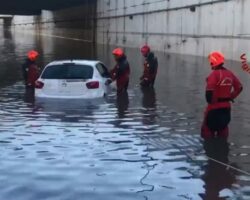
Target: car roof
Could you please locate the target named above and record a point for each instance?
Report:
(80, 62)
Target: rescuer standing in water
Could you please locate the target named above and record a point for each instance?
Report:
(221, 89)
(30, 69)
(150, 67)
(120, 73)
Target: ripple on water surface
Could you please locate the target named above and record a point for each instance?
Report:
(51, 149)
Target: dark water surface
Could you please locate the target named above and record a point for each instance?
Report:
(142, 145)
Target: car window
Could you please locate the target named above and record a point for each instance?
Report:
(102, 70)
(68, 72)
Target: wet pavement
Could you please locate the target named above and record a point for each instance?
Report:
(142, 145)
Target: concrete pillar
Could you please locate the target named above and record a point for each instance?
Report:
(7, 22)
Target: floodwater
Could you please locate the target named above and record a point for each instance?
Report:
(141, 145)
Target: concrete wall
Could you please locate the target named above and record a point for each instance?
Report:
(193, 27)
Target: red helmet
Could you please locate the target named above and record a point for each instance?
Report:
(145, 49)
(32, 55)
(118, 52)
(216, 58)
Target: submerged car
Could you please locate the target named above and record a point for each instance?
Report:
(78, 79)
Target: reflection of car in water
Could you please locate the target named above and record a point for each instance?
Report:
(74, 111)
(78, 79)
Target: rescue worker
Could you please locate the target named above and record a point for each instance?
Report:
(221, 89)
(150, 67)
(120, 73)
(30, 69)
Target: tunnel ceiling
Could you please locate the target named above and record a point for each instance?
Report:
(34, 7)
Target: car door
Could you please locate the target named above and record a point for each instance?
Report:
(104, 74)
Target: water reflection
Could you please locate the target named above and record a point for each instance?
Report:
(219, 179)
(68, 110)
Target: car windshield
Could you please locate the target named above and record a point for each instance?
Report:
(69, 71)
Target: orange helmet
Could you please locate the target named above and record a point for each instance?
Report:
(32, 55)
(145, 49)
(216, 58)
(118, 52)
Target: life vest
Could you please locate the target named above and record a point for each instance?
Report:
(33, 75)
(121, 73)
(150, 68)
(224, 85)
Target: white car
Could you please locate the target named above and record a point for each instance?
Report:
(78, 79)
